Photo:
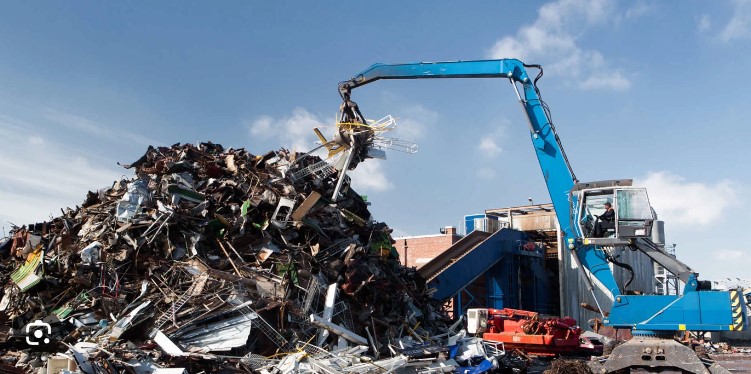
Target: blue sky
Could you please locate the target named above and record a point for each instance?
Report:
(654, 91)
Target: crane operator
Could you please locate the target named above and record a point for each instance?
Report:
(605, 220)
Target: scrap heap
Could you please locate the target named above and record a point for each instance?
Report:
(212, 259)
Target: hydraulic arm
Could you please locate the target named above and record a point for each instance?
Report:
(558, 174)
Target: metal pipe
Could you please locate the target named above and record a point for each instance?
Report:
(344, 169)
(338, 330)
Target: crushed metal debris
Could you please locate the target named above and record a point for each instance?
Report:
(218, 260)
(568, 367)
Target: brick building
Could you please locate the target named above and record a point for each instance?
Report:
(418, 250)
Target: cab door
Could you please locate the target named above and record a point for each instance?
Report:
(633, 214)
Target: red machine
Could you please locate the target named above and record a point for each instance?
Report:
(527, 331)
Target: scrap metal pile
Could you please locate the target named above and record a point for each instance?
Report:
(217, 260)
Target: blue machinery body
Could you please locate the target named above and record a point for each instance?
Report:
(513, 269)
(697, 309)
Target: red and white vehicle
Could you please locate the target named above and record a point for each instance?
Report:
(527, 331)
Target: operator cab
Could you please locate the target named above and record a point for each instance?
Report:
(633, 216)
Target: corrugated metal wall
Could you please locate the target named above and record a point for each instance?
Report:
(574, 290)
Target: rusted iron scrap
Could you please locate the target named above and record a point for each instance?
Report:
(212, 260)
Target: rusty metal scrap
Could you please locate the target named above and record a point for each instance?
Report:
(212, 259)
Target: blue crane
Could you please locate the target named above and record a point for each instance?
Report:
(653, 319)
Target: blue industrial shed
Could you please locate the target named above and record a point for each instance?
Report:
(504, 269)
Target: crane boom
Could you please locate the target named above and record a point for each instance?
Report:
(558, 174)
(506, 68)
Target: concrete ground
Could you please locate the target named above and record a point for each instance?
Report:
(736, 363)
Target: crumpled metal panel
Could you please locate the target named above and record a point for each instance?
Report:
(136, 197)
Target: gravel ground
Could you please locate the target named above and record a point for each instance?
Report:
(736, 363)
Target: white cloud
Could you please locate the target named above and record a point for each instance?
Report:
(370, 176)
(486, 173)
(637, 10)
(613, 81)
(36, 183)
(36, 140)
(739, 26)
(413, 122)
(99, 130)
(552, 40)
(703, 23)
(728, 254)
(488, 144)
(489, 147)
(262, 127)
(294, 132)
(688, 204)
